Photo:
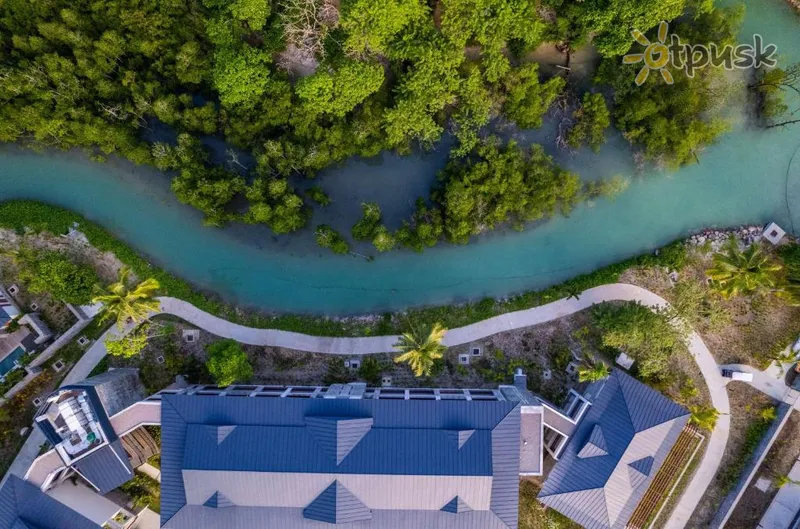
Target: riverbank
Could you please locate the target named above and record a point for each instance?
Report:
(37, 217)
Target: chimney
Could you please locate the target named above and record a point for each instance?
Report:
(520, 380)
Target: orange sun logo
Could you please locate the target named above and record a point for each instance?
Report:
(655, 56)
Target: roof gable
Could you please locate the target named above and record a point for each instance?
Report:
(219, 433)
(595, 445)
(456, 506)
(643, 465)
(459, 437)
(337, 505)
(338, 435)
(218, 501)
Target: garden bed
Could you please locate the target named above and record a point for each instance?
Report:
(778, 462)
(746, 430)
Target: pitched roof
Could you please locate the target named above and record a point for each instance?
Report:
(107, 468)
(456, 506)
(616, 450)
(24, 506)
(297, 461)
(335, 505)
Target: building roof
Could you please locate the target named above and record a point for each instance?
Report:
(107, 468)
(24, 506)
(294, 463)
(614, 454)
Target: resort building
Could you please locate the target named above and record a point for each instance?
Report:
(352, 456)
(613, 455)
(19, 334)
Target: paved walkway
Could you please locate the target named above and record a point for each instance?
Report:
(505, 322)
(614, 292)
(149, 470)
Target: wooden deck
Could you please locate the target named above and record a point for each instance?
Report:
(663, 484)
(139, 445)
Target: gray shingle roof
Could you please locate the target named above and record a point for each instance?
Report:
(400, 459)
(24, 506)
(639, 426)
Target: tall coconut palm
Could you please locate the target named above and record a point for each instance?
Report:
(123, 304)
(746, 271)
(592, 371)
(420, 350)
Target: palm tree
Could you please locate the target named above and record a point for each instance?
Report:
(704, 417)
(421, 350)
(746, 271)
(592, 371)
(123, 304)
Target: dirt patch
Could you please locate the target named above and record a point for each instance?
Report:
(746, 406)
(779, 461)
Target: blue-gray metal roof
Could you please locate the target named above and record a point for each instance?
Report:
(336, 505)
(24, 506)
(638, 426)
(107, 468)
(338, 436)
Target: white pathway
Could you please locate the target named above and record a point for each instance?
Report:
(506, 322)
(614, 292)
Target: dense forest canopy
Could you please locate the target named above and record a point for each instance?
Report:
(304, 84)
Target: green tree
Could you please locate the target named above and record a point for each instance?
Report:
(367, 226)
(647, 336)
(592, 119)
(593, 371)
(420, 348)
(337, 93)
(770, 89)
(241, 75)
(228, 363)
(129, 345)
(499, 185)
(329, 238)
(383, 240)
(124, 304)
(704, 417)
(527, 100)
(55, 273)
(371, 26)
(736, 272)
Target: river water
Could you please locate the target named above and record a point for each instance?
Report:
(743, 179)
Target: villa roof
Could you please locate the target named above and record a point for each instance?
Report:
(293, 463)
(24, 506)
(614, 454)
(107, 468)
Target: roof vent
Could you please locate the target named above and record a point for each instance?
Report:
(219, 433)
(218, 501)
(460, 436)
(337, 505)
(456, 505)
(338, 435)
(595, 445)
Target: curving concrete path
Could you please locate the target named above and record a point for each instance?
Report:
(613, 292)
(469, 333)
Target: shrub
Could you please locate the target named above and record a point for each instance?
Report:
(228, 363)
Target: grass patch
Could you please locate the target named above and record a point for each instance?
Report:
(534, 515)
(144, 492)
(26, 214)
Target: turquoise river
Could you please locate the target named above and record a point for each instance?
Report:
(750, 176)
